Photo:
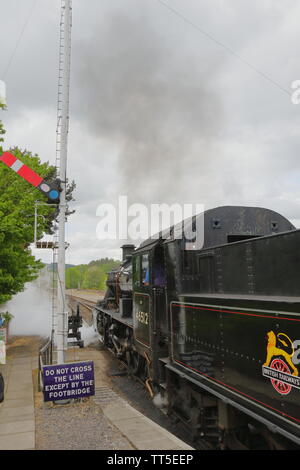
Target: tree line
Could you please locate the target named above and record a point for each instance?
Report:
(90, 276)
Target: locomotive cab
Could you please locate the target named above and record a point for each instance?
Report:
(149, 307)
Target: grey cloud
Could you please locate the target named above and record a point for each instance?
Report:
(159, 111)
(153, 99)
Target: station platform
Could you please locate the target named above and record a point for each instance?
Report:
(120, 426)
(17, 420)
(143, 433)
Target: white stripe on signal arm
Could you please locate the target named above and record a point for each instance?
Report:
(17, 165)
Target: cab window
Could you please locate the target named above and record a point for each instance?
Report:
(136, 270)
(145, 270)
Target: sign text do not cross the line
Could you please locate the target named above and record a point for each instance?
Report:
(65, 381)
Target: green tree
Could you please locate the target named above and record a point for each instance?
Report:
(2, 131)
(17, 202)
(90, 276)
(73, 278)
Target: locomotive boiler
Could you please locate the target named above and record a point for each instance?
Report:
(214, 329)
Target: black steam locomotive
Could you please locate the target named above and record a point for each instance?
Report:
(214, 331)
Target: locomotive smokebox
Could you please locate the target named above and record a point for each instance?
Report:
(127, 251)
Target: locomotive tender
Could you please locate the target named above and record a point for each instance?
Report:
(215, 332)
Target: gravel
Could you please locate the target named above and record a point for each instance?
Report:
(77, 426)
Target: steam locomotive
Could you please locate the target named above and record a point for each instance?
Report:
(214, 330)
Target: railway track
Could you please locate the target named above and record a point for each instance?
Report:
(90, 305)
(86, 311)
(83, 301)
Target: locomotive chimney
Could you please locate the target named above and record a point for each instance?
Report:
(127, 251)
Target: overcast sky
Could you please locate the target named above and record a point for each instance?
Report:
(185, 102)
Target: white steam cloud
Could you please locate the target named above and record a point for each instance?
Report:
(88, 335)
(160, 401)
(32, 309)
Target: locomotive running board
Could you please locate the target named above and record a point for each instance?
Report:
(271, 426)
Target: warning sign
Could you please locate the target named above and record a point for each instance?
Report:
(65, 381)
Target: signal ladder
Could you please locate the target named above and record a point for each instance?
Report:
(62, 129)
(63, 89)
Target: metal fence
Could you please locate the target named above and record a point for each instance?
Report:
(45, 359)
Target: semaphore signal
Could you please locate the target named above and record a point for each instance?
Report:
(49, 189)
